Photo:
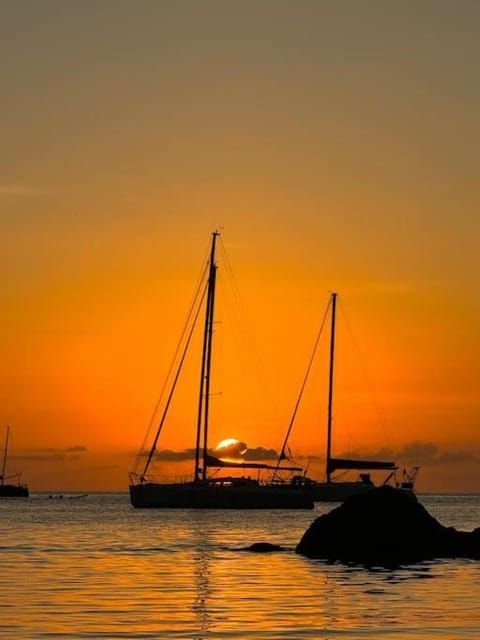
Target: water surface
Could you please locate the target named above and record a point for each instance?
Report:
(94, 567)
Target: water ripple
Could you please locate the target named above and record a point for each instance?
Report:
(75, 573)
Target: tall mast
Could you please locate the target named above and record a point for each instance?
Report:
(5, 453)
(203, 400)
(330, 387)
(212, 283)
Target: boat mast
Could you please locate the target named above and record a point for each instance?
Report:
(203, 401)
(330, 387)
(5, 454)
(212, 282)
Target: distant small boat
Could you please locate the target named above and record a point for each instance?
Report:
(11, 490)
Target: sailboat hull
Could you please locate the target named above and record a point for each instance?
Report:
(13, 491)
(340, 491)
(226, 494)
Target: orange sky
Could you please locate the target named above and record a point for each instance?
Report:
(335, 145)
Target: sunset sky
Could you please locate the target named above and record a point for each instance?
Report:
(334, 144)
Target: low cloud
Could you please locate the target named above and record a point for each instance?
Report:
(76, 448)
(39, 457)
(413, 453)
(260, 453)
(416, 453)
(234, 451)
(428, 453)
(50, 454)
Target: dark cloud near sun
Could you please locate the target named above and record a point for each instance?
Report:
(237, 450)
(260, 453)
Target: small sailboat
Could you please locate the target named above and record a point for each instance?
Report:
(206, 490)
(8, 490)
(334, 489)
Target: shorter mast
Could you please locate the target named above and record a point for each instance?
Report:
(334, 464)
(4, 466)
(330, 389)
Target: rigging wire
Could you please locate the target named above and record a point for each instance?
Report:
(302, 389)
(174, 384)
(380, 413)
(248, 331)
(194, 303)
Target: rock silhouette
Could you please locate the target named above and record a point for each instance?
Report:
(385, 527)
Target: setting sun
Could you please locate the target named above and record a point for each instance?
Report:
(231, 447)
(228, 442)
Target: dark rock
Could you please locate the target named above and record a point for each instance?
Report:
(262, 547)
(385, 527)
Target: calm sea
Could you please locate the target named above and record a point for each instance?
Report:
(94, 567)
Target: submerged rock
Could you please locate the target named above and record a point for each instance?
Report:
(385, 527)
(262, 547)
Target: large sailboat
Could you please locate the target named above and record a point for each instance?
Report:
(335, 489)
(206, 490)
(9, 490)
